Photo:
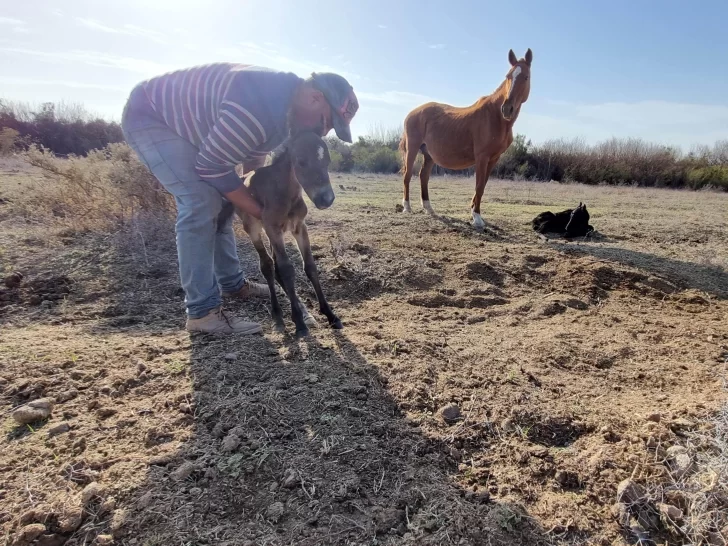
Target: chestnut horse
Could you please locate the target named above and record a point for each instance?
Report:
(458, 138)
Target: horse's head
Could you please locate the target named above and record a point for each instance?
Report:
(519, 84)
(310, 162)
(579, 217)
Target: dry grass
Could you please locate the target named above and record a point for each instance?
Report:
(105, 190)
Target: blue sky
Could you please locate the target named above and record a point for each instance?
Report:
(649, 69)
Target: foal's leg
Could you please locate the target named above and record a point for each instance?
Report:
(287, 277)
(304, 245)
(410, 155)
(255, 232)
(482, 171)
(425, 172)
(307, 318)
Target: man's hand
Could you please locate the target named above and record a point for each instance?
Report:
(242, 199)
(252, 165)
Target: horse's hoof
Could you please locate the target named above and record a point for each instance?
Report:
(406, 206)
(300, 334)
(310, 321)
(478, 222)
(279, 327)
(428, 208)
(336, 325)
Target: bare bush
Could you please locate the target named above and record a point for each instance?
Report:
(108, 188)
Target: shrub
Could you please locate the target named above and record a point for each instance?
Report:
(107, 189)
(8, 140)
(61, 128)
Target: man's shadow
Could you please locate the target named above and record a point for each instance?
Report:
(302, 443)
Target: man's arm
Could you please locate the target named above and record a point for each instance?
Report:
(231, 141)
(242, 199)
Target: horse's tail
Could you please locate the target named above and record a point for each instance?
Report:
(402, 151)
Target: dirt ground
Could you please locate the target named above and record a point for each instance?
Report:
(488, 387)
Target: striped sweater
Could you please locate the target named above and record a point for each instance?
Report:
(232, 113)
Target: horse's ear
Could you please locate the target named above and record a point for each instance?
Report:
(529, 57)
(512, 58)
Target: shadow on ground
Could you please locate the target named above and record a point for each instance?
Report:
(707, 278)
(301, 443)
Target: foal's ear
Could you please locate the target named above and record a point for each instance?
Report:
(529, 57)
(512, 58)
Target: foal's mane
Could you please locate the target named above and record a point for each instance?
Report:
(283, 152)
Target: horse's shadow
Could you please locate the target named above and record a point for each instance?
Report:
(464, 227)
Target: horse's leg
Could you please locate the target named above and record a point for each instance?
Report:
(255, 231)
(425, 172)
(410, 155)
(483, 167)
(309, 264)
(287, 277)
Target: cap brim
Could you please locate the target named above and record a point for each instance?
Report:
(343, 131)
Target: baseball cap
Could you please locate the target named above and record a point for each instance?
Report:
(340, 95)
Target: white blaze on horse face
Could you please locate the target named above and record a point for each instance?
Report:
(516, 72)
(320, 153)
(426, 205)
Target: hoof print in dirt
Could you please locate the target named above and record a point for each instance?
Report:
(451, 414)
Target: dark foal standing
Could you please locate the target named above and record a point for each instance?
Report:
(570, 222)
(278, 187)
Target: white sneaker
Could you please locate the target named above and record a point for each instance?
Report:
(219, 322)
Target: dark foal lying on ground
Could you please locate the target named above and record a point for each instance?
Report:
(570, 222)
(303, 164)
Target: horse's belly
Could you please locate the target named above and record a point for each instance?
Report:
(449, 156)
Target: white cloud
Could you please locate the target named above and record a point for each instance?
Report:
(252, 53)
(11, 21)
(382, 26)
(18, 26)
(437, 46)
(395, 98)
(94, 58)
(127, 30)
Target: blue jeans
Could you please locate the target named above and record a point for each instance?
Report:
(206, 248)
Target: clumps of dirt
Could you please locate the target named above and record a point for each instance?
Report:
(596, 280)
(549, 430)
(556, 305)
(436, 300)
(484, 272)
(39, 291)
(367, 278)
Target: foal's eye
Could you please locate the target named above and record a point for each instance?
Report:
(302, 163)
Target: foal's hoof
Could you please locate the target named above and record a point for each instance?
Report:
(279, 327)
(310, 321)
(300, 334)
(336, 325)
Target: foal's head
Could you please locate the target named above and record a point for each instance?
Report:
(579, 217)
(519, 83)
(310, 166)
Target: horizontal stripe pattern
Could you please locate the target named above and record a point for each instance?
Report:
(198, 104)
